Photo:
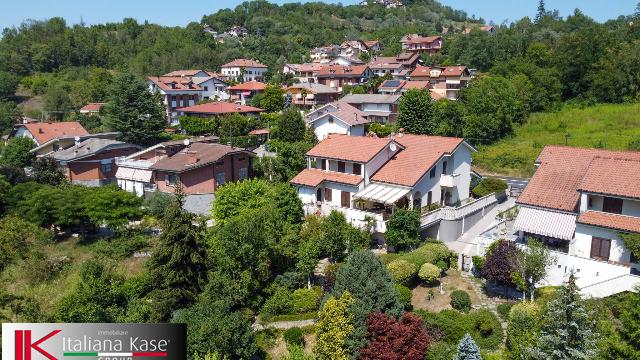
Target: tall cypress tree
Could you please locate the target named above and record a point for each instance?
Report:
(134, 111)
(177, 268)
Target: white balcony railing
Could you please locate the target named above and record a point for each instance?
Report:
(449, 180)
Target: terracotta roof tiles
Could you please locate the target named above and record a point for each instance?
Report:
(315, 177)
(349, 148)
(625, 183)
(43, 132)
(249, 86)
(205, 154)
(244, 63)
(610, 221)
(220, 107)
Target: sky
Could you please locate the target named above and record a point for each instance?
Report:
(164, 12)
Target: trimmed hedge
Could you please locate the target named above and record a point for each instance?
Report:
(429, 273)
(305, 300)
(483, 325)
(489, 186)
(460, 300)
(428, 253)
(402, 271)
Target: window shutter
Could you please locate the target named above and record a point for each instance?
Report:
(595, 247)
(327, 194)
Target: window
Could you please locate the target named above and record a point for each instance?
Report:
(429, 198)
(220, 178)
(56, 147)
(330, 119)
(327, 194)
(323, 164)
(444, 167)
(319, 195)
(432, 173)
(345, 199)
(357, 169)
(244, 173)
(600, 248)
(106, 168)
(341, 166)
(590, 201)
(612, 205)
(206, 88)
(171, 179)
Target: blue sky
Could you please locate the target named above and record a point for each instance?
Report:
(13, 12)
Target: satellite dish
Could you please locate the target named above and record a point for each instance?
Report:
(392, 147)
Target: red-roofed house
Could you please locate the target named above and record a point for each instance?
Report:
(244, 70)
(176, 92)
(92, 108)
(445, 80)
(370, 177)
(421, 44)
(243, 92)
(217, 109)
(339, 118)
(337, 76)
(578, 203)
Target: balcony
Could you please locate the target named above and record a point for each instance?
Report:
(449, 180)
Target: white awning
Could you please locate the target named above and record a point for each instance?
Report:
(554, 224)
(382, 193)
(126, 173)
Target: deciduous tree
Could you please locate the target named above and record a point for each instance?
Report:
(390, 339)
(416, 112)
(17, 152)
(402, 229)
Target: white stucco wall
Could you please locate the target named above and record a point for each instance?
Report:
(376, 107)
(336, 190)
(323, 128)
(462, 166)
(23, 132)
(307, 194)
(631, 207)
(581, 245)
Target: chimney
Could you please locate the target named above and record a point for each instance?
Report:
(77, 140)
(191, 158)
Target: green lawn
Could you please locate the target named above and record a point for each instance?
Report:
(610, 126)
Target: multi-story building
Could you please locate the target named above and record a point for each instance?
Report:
(340, 118)
(243, 92)
(578, 203)
(310, 95)
(337, 76)
(421, 44)
(176, 92)
(445, 80)
(353, 48)
(378, 107)
(244, 70)
(304, 73)
(324, 54)
(214, 85)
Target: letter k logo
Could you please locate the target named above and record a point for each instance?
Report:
(24, 345)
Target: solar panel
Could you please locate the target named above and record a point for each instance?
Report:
(391, 83)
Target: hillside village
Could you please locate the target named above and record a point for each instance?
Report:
(328, 205)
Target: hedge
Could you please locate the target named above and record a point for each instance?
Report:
(305, 300)
(428, 253)
(429, 273)
(460, 300)
(402, 271)
(405, 295)
(483, 325)
(489, 186)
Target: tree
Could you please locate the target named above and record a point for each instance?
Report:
(235, 198)
(500, 263)
(335, 324)
(467, 349)
(450, 115)
(134, 111)
(542, 12)
(532, 264)
(339, 236)
(631, 242)
(403, 229)
(177, 268)
(9, 114)
(112, 206)
(20, 239)
(568, 328)
(309, 248)
(416, 112)
(290, 126)
(8, 84)
(368, 281)
(391, 339)
(17, 152)
(628, 347)
(57, 102)
(272, 99)
(45, 170)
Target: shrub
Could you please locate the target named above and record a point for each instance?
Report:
(305, 300)
(389, 257)
(294, 336)
(156, 202)
(489, 186)
(429, 273)
(405, 295)
(403, 229)
(524, 324)
(428, 253)
(460, 300)
(402, 271)
(278, 303)
(453, 324)
(504, 309)
(486, 329)
(478, 263)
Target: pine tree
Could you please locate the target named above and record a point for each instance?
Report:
(568, 330)
(177, 268)
(467, 349)
(134, 111)
(542, 11)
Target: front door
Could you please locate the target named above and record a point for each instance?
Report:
(345, 199)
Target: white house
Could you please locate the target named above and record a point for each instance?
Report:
(368, 178)
(381, 108)
(338, 118)
(244, 69)
(578, 203)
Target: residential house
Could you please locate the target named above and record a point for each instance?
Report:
(377, 107)
(402, 86)
(91, 162)
(234, 32)
(382, 65)
(421, 44)
(341, 118)
(337, 76)
(306, 72)
(578, 203)
(389, 4)
(373, 45)
(324, 54)
(353, 48)
(176, 92)
(243, 92)
(214, 85)
(310, 95)
(368, 178)
(49, 136)
(210, 109)
(134, 172)
(244, 70)
(63, 142)
(445, 80)
(346, 61)
(91, 109)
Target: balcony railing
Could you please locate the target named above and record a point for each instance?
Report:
(449, 180)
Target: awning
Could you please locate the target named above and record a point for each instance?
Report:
(126, 173)
(246, 93)
(546, 223)
(382, 193)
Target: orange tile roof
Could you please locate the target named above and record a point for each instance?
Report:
(625, 182)
(420, 154)
(244, 63)
(561, 170)
(425, 71)
(415, 84)
(346, 112)
(205, 154)
(315, 177)
(192, 72)
(249, 86)
(340, 70)
(610, 221)
(92, 107)
(349, 148)
(43, 132)
(417, 39)
(219, 107)
(181, 83)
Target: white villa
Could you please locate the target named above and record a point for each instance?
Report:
(367, 178)
(578, 203)
(244, 70)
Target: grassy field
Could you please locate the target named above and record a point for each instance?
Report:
(611, 126)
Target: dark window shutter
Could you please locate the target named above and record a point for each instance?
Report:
(327, 194)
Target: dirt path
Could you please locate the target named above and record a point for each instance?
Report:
(283, 324)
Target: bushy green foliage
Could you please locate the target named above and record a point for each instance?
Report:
(403, 229)
(460, 300)
(45, 170)
(416, 112)
(489, 186)
(9, 115)
(278, 303)
(405, 295)
(504, 309)
(293, 336)
(122, 246)
(383, 130)
(157, 202)
(19, 239)
(112, 206)
(8, 84)
(524, 326)
(290, 126)
(16, 153)
(429, 273)
(306, 300)
(467, 349)
(272, 99)
(402, 271)
(483, 325)
(199, 126)
(428, 253)
(334, 327)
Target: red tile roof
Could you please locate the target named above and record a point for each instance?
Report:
(180, 83)
(43, 132)
(92, 107)
(219, 108)
(561, 170)
(191, 72)
(349, 148)
(610, 221)
(340, 70)
(205, 154)
(259, 132)
(417, 39)
(415, 84)
(315, 177)
(446, 71)
(249, 86)
(625, 181)
(386, 62)
(420, 154)
(370, 43)
(244, 63)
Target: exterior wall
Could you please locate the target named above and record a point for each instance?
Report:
(462, 165)
(581, 245)
(62, 144)
(307, 194)
(336, 190)
(135, 187)
(376, 163)
(629, 207)
(322, 128)
(214, 89)
(88, 170)
(23, 132)
(250, 73)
